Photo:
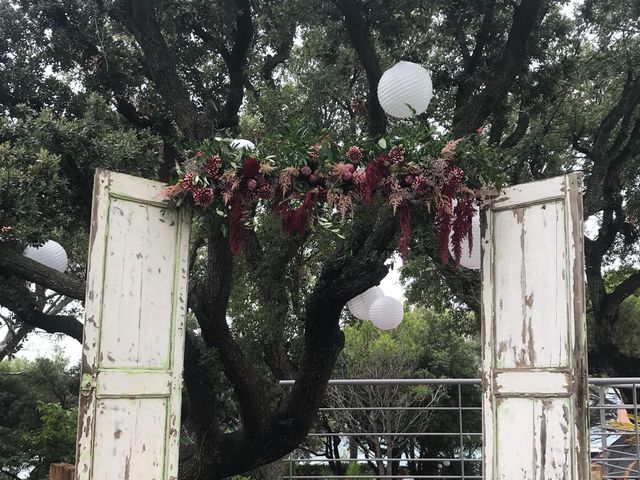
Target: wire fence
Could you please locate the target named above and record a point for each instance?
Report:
(614, 435)
(432, 428)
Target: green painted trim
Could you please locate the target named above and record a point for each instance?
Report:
(129, 198)
(135, 370)
(175, 375)
(125, 396)
(174, 285)
(106, 210)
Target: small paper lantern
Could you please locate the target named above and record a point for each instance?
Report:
(359, 306)
(386, 313)
(240, 143)
(51, 254)
(471, 259)
(403, 88)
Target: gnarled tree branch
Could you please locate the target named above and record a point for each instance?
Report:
(358, 30)
(16, 300)
(473, 111)
(139, 18)
(32, 271)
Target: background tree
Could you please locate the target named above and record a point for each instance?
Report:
(39, 410)
(131, 85)
(425, 345)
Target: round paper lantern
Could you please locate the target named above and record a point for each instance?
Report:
(471, 259)
(51, 254)
(240, 143)
(386, 313)
(359, 306)
(404, 88)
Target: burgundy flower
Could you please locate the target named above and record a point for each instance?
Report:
(203, 196)
(266, 191)
(212, 166)
(187, 181)
(396, 154)
(355, 154)
(250, 167)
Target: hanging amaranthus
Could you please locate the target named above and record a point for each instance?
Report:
(329, 183)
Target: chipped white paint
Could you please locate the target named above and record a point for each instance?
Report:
(135, 309)
(534, 366)
(513, 383)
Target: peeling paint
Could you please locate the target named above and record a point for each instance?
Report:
(534, 357)
(136, 363)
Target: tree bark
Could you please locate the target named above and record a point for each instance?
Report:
(473, 111)
(278, 432)
(358, 30)
(32, 271)
(139, 18)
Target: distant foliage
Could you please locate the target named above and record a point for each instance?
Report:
(38, 401)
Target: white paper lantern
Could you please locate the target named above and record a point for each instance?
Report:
(359, 306)
(240, 143)
(470, 259)
(386, 313)
(51, 254)
(403, 85)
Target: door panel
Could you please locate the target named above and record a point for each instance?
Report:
(534, 361)
(134, 333)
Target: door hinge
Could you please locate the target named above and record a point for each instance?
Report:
(87, 384)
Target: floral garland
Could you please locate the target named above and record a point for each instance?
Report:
(329, 183)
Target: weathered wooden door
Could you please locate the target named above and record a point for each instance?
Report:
(129, 418)
(535, 371)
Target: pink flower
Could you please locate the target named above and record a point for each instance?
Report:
(199, 154)
(449, 150)
(408, 179)
(359, 178)
(306, 171)
(342, 171)
(252, 184)
(313, 179)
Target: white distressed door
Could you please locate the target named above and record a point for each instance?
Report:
(129, 418)
(535, 368)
